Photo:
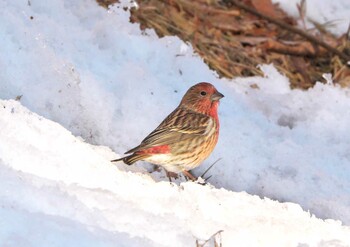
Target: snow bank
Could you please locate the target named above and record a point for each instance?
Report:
(97, 75)
(58, 190)
(333, 14)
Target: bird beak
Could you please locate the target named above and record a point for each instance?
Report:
(216, 96)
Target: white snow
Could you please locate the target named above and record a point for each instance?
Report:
(334, 15)
(100, 80)
(58, 190)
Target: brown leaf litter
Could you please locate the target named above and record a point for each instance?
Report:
(233, 37)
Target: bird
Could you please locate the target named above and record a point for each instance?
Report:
(186, 137)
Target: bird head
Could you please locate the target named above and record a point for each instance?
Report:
(203, 98)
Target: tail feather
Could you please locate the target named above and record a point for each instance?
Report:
(116, 160)
(131, 159)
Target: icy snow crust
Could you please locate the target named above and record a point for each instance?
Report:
(57, 190)
(95, 74)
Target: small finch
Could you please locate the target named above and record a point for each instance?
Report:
(186, 137)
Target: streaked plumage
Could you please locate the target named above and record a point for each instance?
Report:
(187, 136)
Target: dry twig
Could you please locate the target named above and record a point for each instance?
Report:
(284, 25)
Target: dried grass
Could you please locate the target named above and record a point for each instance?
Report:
(233, 42)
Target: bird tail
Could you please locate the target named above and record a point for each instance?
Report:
(131, 159)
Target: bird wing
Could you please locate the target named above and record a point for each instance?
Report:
(180, 125)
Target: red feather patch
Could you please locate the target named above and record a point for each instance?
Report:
(164, 149)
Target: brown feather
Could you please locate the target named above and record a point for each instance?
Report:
(180, 125)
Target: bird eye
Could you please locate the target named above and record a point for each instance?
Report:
(203, 93)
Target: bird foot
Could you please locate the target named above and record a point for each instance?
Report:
(199, 180)
(171, 175)
(188, 175)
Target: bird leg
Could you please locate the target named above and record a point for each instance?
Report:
(189, 175)
(171, 175)
(199, 180)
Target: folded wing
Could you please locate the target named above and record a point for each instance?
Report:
(180, 125)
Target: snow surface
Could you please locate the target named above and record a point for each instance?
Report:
(57, 190)
(101, 78)
(335, 15)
